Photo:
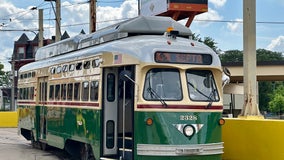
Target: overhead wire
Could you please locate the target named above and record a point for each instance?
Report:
(105, 21)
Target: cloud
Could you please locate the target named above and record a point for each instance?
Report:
(74, 19)
(218, 3)
(235, 26)
(204, 18)
(277, 44)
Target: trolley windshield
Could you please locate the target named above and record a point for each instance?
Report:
(162, 84)
(201, 86)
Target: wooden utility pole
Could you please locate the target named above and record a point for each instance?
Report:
(93, 19)
(40, 28)
(250, 107)
(58, 21)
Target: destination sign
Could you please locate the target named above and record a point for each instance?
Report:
(184, 58)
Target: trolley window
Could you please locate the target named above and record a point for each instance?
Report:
(77, 91)
(57, 92)
(71, 67)
(58, 69)
(51, 92)
(201, 85)
(65, 68)
(87, 64)
(111, 87)
(52, 70)
(31, 93)
(70, 91)
(94, 90)
(162, 84)
(79, 66)
(63, 91)
(85, 91)
(95, 63)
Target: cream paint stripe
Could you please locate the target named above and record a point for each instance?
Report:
(178, 110)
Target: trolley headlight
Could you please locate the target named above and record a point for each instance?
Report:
(188, 130)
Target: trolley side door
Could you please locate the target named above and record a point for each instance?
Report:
(41, 111)
(110, 109)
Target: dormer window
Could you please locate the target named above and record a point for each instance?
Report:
(21, 53)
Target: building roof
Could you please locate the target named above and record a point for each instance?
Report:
(23, 39)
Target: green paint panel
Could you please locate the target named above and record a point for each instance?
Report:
(164, 130)
(83, 125)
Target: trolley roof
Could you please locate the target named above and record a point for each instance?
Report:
(123, 38)
(137, 26)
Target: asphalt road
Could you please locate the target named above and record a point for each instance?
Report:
(16, 147)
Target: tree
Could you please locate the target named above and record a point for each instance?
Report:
(5, 80)
(266, 55)
(1, 69)
(210, 42)
(4, 77)
(276, 104)
(265, 88)
(232, 56)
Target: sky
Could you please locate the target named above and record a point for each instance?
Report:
(222, 22)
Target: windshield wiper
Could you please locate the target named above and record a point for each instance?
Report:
(211, 99)
(200, 92)
(153, 92)
(203, 94)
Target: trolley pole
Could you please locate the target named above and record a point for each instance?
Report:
(13, 79)
(93, 15)
(58, 21)
(40, 27)
(250, 107)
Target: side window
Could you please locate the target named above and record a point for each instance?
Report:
(58, 69)
(57, 91)
(31, 93)
(111, 87)
(71, 67)
(63, 91)
(65, 68)
(70, 91)
(77, 91)
(87, 64)
(95, 63)
(27, 93)
(52, 70)
(21, 93)
(79, 66)
(85, 91)
(51, 92)
(94, 91)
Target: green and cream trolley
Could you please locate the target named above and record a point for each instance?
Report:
(140, 89)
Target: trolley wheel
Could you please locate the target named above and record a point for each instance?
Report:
(44, 146)
(34, 143)
(86, 152)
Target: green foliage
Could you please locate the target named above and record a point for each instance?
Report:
(265, 88)
(1, 69)
(266, 55)
(276, 105)
(231, 56)
(261, 55)
(5, 79)
(210, 42)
